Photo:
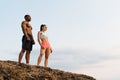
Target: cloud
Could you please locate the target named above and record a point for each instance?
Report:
(114, 51)
(69, 59)
(9, 55)
(101, 65)
(104, 70)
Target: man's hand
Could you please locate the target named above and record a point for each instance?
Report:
(33, 42)
(28, 39)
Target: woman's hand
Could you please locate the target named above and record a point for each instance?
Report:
(51, 50)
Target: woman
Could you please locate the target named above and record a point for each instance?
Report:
(45, 46)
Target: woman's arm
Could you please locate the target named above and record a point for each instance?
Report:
(38, 37)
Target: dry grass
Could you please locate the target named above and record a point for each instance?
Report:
(10, 70)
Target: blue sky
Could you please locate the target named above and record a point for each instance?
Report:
(84, 34)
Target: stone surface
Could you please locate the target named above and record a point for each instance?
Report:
(11, 70)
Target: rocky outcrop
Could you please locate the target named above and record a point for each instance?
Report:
(11, 70)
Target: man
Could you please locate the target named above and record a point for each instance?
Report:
(27, 39)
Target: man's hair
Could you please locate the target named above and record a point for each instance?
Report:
(26, 16)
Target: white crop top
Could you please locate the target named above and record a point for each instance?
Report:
(42, 36)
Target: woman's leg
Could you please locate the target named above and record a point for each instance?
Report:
(42, 52)
(47, 53)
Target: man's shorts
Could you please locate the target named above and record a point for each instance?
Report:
(27, 44)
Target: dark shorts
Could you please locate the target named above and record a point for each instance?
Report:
(27, 44)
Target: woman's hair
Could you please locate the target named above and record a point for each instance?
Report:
(41, 27)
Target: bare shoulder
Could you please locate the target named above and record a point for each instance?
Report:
(23, 24)
(39, 32)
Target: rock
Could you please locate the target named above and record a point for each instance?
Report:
(11, 70)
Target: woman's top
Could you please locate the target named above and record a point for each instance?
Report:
(43, 36)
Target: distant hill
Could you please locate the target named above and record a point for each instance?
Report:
(11, 70)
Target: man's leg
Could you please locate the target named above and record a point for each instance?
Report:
(21, 55)
(27, 56)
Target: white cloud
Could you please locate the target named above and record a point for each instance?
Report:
(103, 66)
(114, 51)
(105, 70)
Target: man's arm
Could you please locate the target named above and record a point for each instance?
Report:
(25, 30)
(32, 38)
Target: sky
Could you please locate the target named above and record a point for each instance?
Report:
(84, 34)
